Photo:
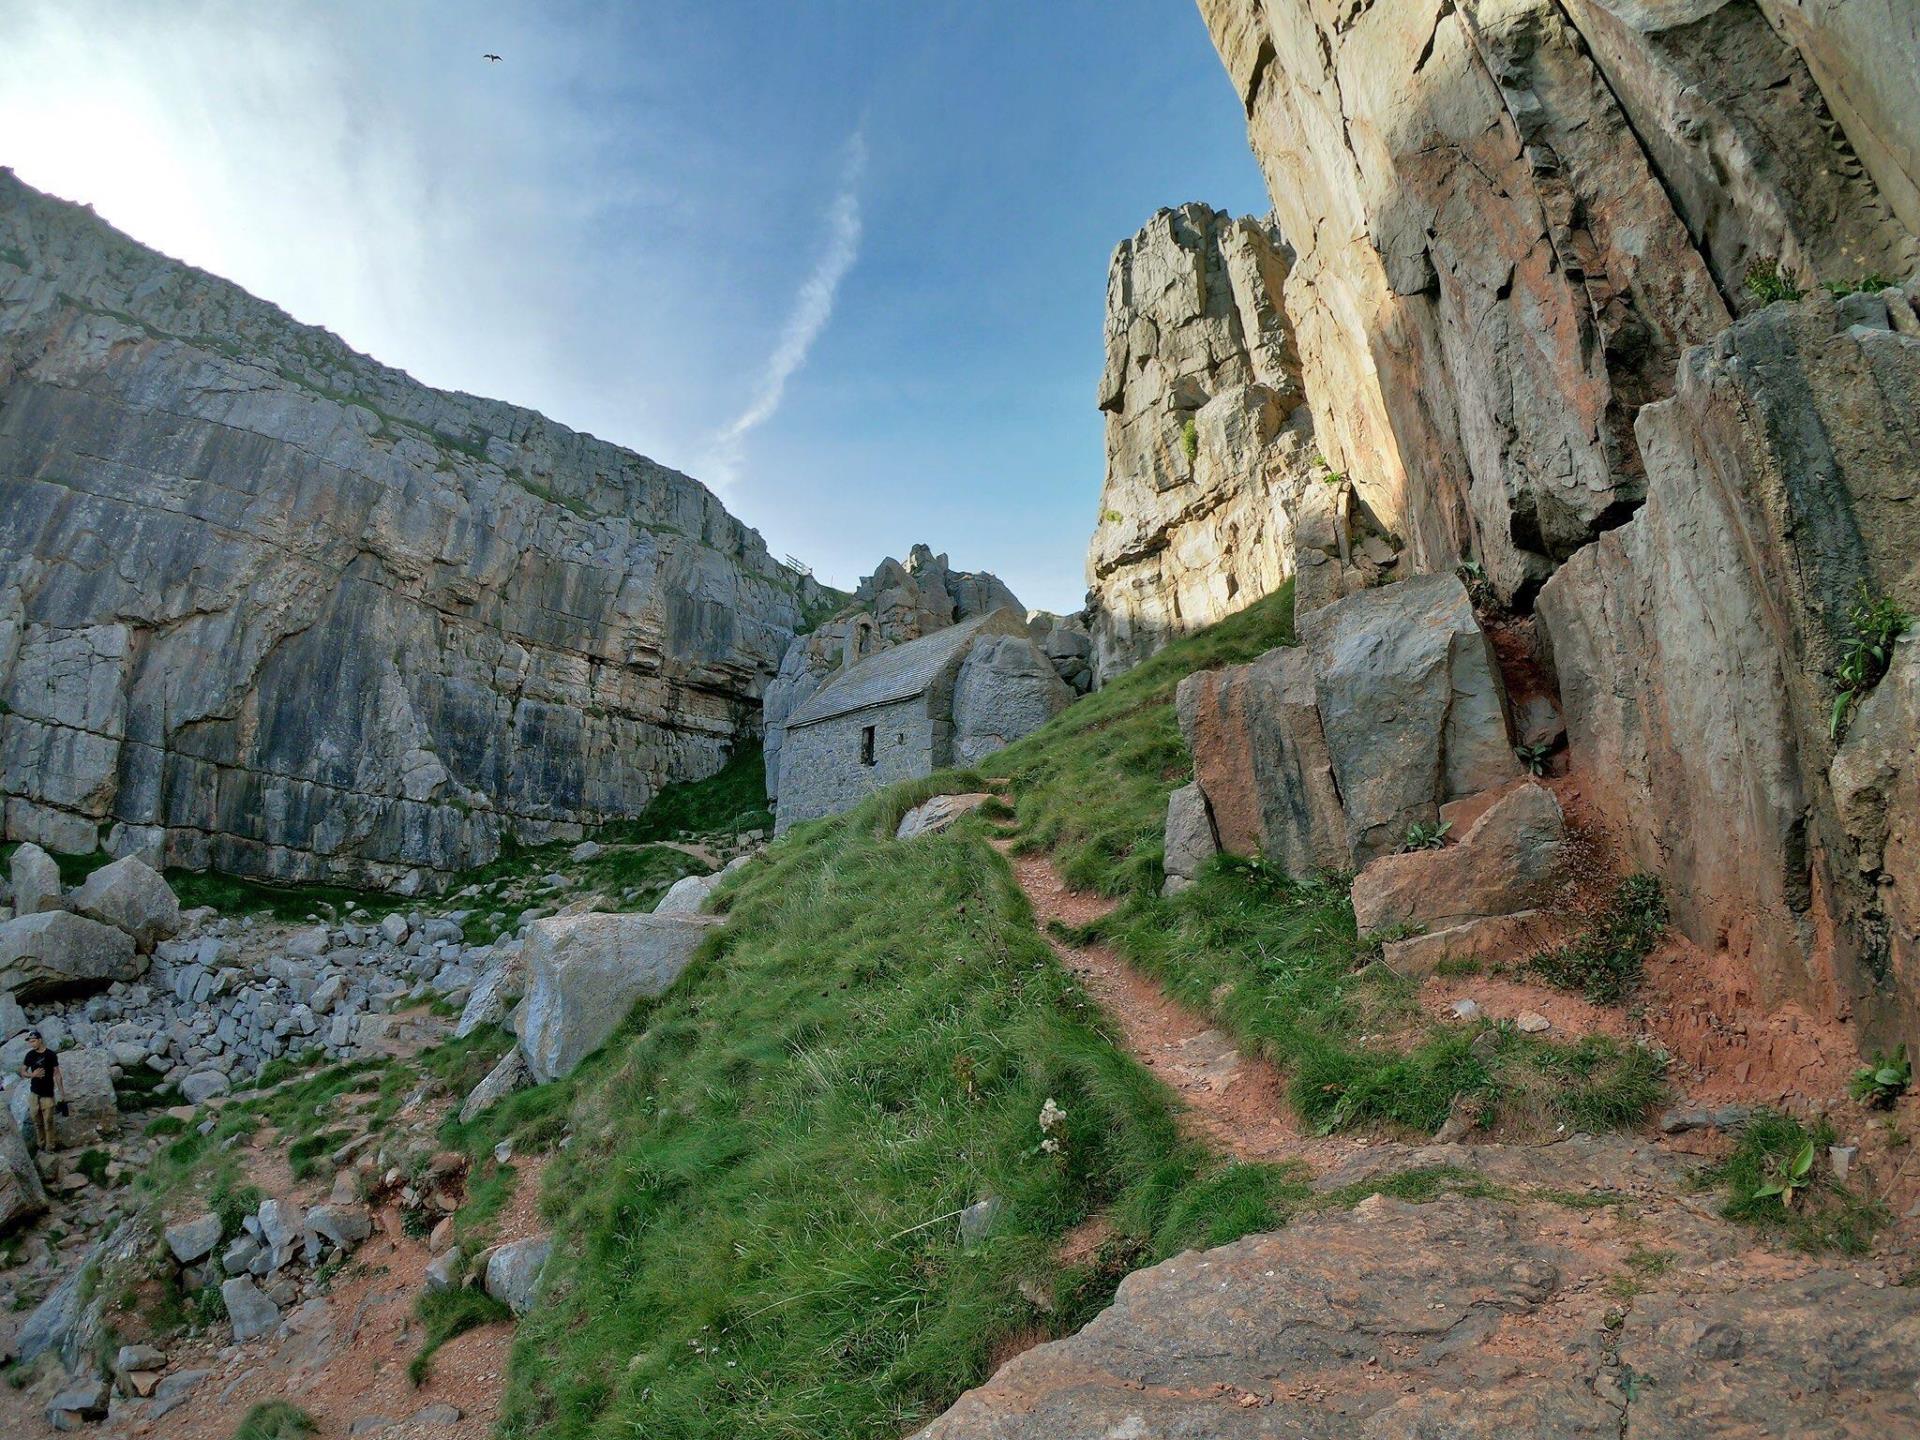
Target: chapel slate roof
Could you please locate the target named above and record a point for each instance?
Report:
(898, 673)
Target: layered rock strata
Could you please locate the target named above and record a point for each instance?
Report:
(1508, 218)
(270, 606)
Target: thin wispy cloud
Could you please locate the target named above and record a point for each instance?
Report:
(812, 309)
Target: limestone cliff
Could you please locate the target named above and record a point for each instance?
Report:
(1539, 251)
(1206, 437)
(268, 605)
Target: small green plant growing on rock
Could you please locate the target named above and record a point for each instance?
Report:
(1425, 837)
(1884, 1081)
(1875, 625)
(1190, 439)
(1533, 757)
(1773, 1179)
(1840, 289)
(1768, 283)
(1606, 961)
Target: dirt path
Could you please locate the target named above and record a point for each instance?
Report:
(1236, 1103)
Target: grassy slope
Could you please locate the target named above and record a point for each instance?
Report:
(1278, 963)
(759, 1202)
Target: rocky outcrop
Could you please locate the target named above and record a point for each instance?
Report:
(1475, 1318)
(270, 606)
(1696, 648)
(1007, 688)
(1493, 209)
(1207, 443)
(1321, 757)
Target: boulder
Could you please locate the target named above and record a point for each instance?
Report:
(513, 1272)
(70, 1321)
(1006, 689)
(251, 1312)
(22, 1196)
(443, 1271)
(340, 1226)
(133, 896)
(13, 1020)
(35, 877)
(92, 1108)
(491, 999)
(688, 895)
(202, 1085)
(79, 1404)
(1515, 937)
(173, 1390)
(509, 1075)
(1507, 861)
(1260, 758)
(57, 953)
(1410, 703)
(585, 972)
(192, 1240)
(932, 816)
(1190, 839)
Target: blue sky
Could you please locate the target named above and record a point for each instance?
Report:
(846, 262)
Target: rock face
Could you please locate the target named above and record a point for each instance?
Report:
(1468, 1318)
(1695, 650)
(584, 973)
(1493, 226)
(1207, 443)
(270, 606)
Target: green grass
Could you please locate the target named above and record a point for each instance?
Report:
(1825, 1215)
(1606, 960)
(1092, 786)
(729, 802)
(757, 1210)
(236, 895)
(446, 1314)
(1277, 963)
(276, 1420)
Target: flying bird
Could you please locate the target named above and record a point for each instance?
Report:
(494, 58)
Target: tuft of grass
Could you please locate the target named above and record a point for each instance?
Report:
(729, 802)
(276, 1420)
(1767, 282)
(759, 1203)
(1190, 439)
(1092, 786)
(448, 1313)
(1606, 961)
(1778, 1178)
(1873, 625)
(93, 1164)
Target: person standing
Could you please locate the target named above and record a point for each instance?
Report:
(42, 1069)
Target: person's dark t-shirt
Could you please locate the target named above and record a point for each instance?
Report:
(40, 1067)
